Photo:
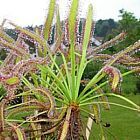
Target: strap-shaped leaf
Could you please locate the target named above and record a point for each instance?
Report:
(66, 125)
(103, 98)
(109, 43)
(46, 93)
(72, 35)
(48, 22)
(72, 20)
(7, 38)
(67, 72)
(33, 35)
(23, 109)
(39, 47)
(13, 47)
(58, 82)
(36, 127)
(96, 112)
(18, 131)
(12, 81)
(27, 83)
(87, 32)
(131, 48)
(2, 121)
(35, 79)
(58, 23)
(115, 76)
(59, 35)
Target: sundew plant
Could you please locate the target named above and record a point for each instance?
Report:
(54, 100)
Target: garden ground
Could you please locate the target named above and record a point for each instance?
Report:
(124, 123)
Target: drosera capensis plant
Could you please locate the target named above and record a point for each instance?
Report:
(52, 104)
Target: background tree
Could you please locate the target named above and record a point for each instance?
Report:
(104, 27)
(131, 25)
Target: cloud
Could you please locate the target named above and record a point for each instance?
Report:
(110, 8)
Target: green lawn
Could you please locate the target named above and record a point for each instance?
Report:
(125, 124)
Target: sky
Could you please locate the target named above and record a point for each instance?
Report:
(33, 12)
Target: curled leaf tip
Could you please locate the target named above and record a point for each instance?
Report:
(114, 75)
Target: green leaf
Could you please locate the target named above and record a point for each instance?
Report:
(27, 83)
(96, 112)
(131, 48)
(72, 35)
(13, 47)
(72, 20)
(44, 77)
(86, 101)
(58, 82)
(12, 81)
(67, 73)
(6, 37)
(114, 75)
(91, 83)
(85, 45)
(48, 22)
(19, 133)
(2, 122)
(22, 110)
(36, 127)
(35, 79)
(60, 73)
(66, 124)
(103, 99)
(58, 23)
(36, 37)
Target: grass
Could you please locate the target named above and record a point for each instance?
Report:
(124, 123)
